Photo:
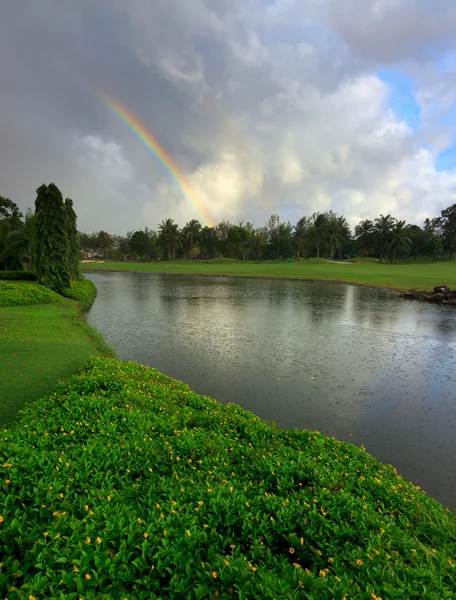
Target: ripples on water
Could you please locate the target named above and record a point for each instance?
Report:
(361, 364)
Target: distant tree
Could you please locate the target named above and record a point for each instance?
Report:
(302, 237)
(170, 237)
(74, 253)
(383, 226)
(447, 226)
(10, 221)
(104, 242)
(140, 243)
(399, 241)
(319, 230)
(364, 235)
(208, 242)
(433, 248)
(19, 243)
(419, 238)
(191, 234)
(51, 256)
(195, 251)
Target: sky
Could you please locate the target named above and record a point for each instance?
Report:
(265, 106)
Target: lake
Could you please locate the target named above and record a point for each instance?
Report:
(360, 364)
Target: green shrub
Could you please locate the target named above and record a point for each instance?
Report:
(82, 290)
(126, 484)
(17, 276)
(21, 294)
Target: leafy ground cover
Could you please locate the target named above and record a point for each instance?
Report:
(403, 276)
(123, 483)
(82, 290)
(39, 345)
(15, 293)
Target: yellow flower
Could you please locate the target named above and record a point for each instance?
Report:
(302, 541)
(322, 573)
(98, 540)
(331, 560)
(1, 519)
(86, 507)
(359, 561)
(292, 550)
(209, 490)
(146, 535)
(214, 574)
(88, 540)
(297, 566)
(412, 550)
(451, 564)
(32, 597)
(7, 481)
(109, 498)
(87, 576)
(205, 526)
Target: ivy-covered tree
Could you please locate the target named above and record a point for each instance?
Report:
(51, 262)
(74, 254)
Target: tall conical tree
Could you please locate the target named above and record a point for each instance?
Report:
(73, 242)
(51, 260)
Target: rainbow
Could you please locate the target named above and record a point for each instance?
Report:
(156, 149)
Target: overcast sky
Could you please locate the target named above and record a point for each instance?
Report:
(287, 106)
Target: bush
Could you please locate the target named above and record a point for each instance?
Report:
(125, 484)
(82, 290)
(17, 276)
(21, 294)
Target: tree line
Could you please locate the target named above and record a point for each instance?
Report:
(324, 234)
(45, 240)
(47, 236)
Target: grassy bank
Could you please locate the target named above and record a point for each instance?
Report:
(123, 483)
(420, 276)
(39, 345)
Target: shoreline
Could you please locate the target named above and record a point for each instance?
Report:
(395, 289)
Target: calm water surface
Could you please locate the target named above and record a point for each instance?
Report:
(363, 365)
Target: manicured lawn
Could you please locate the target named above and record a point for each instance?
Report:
(124, 483)
(420, 275)
(40, 345)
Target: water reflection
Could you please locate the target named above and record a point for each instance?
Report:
(361, 364)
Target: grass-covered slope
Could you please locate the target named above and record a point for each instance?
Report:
(126, 484)
(39, 345)
(22, 294)
(82, 290)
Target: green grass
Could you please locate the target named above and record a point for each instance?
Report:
(15, 293)
(40, 345)
(124, 483)
(84, 291)
(404, 276)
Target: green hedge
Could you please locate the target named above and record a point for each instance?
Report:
(20, 294)
(126, 484)
(82, 290)
(17, 276)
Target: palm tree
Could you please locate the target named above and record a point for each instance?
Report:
(301, 235)
(345, 234)
(399, 240)
(170, 236)
(364, 233)
(191, 234)
(319, 229)
(383, 226)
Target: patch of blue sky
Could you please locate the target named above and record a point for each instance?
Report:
(446, 160)
(401, 99)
